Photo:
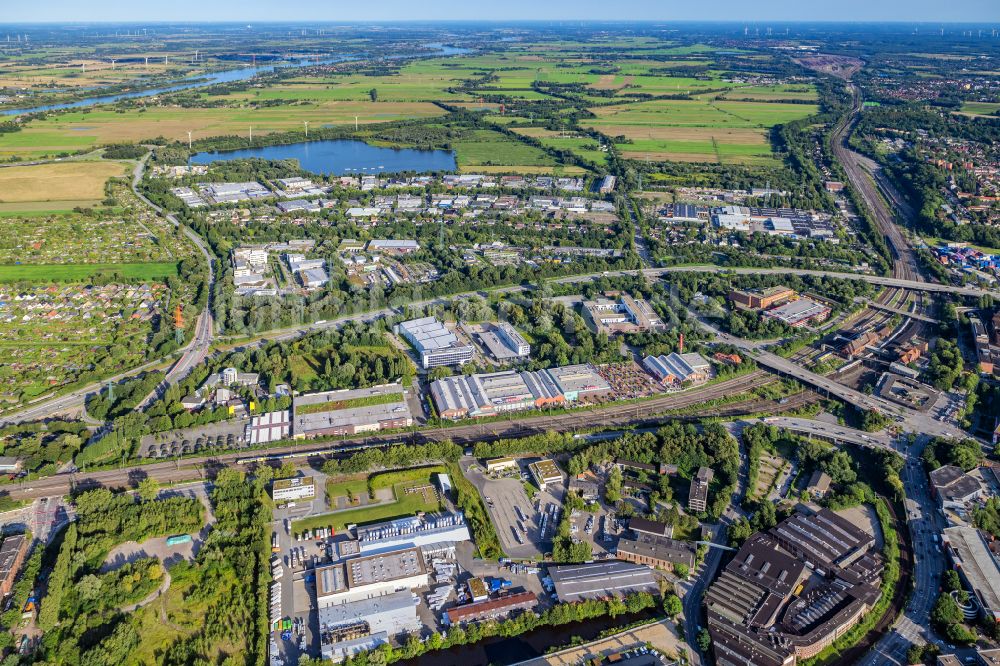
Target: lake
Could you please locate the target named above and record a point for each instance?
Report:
(342, 157)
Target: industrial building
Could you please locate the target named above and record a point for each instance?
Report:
(505, 343)
(599, 580)
(626, 315)
(370, 576)
(698, 493)
(269, 427)
(293, 490)
(393, 246)
(412, 532)
(392, 614)
(676, 369)
(490, 609)
(580, 382)
(351, 411)
(12, 553)
(953, 488)
(789, 593)
(501, 465)
(494, 393)
(545, 472)
(435, 344)
(977, 566)
(799, 313)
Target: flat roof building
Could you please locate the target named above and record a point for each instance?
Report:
(435, 344)
(500, 464)
(393, 613)
(579, 382)
(761, 299)
(545, 472)
(626, 315)
(698, 493)
(351, 411)
(598, 580)
(977, 566)
(393, 246)
(269, 427)
(505, 342)
(494, 393)
(293, 490)
(799, 313)
(412, 532)
(953, 488)
(370, 576)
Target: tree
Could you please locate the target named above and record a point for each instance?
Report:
(613, 488)
(286, 471)
(148, 489)
(950, 581)
(946, 612)
(373, 93)
(681, 570)
(704, 640)
(672, 605)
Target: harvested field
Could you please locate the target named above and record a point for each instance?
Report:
(57, 182)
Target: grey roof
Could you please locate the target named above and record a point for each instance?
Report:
(353, 416)
(977, 563)
(659, 548)
(428, 334)
(601, 579)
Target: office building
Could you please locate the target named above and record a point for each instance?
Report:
(293, 490)
(761, 299)
(505, 343)
(698, 493)
(977, 566)
(435, 344)
(545, 472)
(626, 315)
(953, 488)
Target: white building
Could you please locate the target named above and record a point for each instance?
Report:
(293, 490)
(434, 342)
(370, 576)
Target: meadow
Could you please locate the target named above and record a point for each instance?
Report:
(77, 182)
(85, 272)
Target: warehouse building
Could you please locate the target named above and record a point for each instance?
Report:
(393, 246)
(393, 613)
(351, 411)
(292, 490)
(978, 567)
(12, 553)
(799, 313)
(435, 344)
(370, 576)
(490, 609)
(269, 427)
(494, 393)
(500, 465)
(580, 382)
(676, 369)
(599, 580)
(413, 532)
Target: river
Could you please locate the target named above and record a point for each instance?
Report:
(502, 651)
(342, 156)
(204, 80)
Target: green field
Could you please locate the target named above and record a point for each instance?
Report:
(406, 504)
(85, 272)
(486, 147)
(981, 108)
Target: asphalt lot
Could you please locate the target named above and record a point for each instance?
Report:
(510, 509)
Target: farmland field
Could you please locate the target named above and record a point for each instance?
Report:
(981, 108)
(696, 130)
(57, 182)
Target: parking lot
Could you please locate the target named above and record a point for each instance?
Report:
(519, 521)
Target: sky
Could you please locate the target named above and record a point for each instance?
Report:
(247, 11)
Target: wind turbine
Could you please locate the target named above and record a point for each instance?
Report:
(189, 139)
(306, 123)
